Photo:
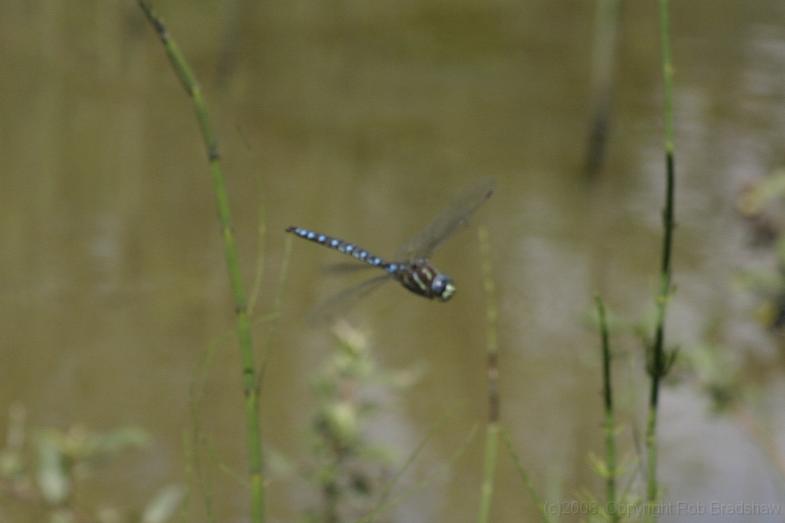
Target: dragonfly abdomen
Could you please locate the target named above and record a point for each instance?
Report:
(345, 247)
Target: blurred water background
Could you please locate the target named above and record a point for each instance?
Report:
(361, 119)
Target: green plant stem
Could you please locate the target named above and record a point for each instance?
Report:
(527, 482)
(489, 469)
(256, 283)
(658, 364)
(492, 358)
(242, 322)
(275, 314)
(610, 423)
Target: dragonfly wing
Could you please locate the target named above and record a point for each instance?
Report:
(447, 222)
(346, 268)
(339, 304)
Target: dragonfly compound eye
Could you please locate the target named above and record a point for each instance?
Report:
(442, 287)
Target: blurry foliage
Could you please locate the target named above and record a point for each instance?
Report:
(42, 474)
(630, 508)
(629, 505)
(725, 375)
(717, 374)
(347, 469)
(761, 206)
(760, 203)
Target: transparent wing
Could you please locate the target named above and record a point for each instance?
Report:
(447, 221)
(339, 304)
(339, 268)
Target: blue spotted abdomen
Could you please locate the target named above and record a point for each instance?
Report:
(345, 247)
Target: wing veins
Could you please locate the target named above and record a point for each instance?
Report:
(447, 222)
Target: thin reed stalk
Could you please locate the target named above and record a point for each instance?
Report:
(383, 501)
(242, 322)
(661, 360)
(609, 422)
(606, 29)
(543, 509)
(419, 485)
(492, 358)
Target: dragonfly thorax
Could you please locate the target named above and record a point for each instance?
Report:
(423, 279)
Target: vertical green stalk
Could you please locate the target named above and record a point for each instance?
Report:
(492, 358)
(610, 423)
(660, 361)
(242, 323)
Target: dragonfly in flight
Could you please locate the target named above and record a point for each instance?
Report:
(412, 267)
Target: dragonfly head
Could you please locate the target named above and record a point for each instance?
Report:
(442, 287)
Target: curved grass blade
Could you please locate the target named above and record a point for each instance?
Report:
(447, 222)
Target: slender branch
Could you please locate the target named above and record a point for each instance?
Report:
(544, 510)
(418, 485)
(242, 323)
(610, 424)
(660, 361)
(492, 351)
(604, 50)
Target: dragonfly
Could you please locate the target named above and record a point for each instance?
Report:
(412, 267)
